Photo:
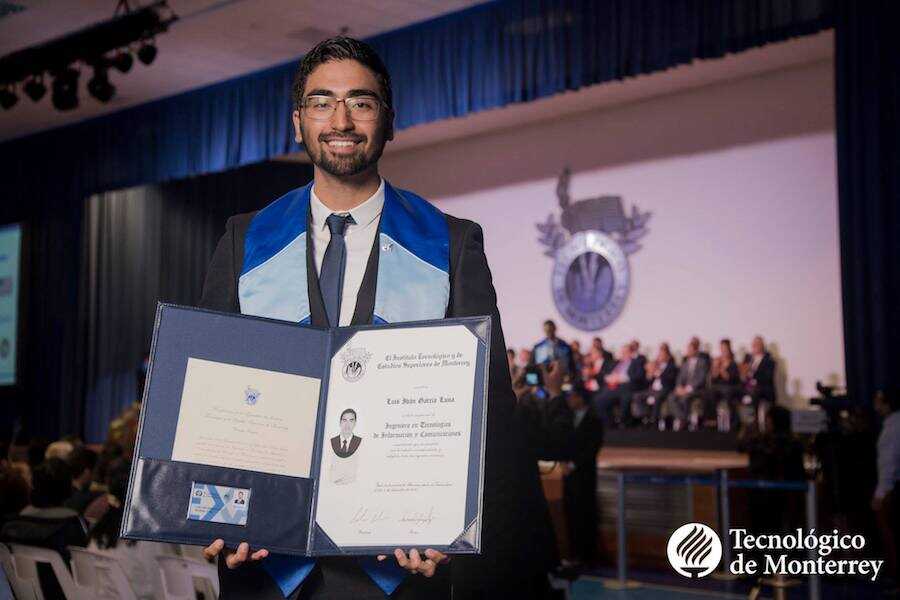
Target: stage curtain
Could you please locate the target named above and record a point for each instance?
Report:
(149, 244)
(867, 64)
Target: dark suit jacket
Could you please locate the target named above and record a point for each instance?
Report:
(637, 373)
(696, 378)
(336, 445)
(667, 379)
(762, 381)
(517, 536)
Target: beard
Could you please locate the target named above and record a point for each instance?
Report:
(345, 166)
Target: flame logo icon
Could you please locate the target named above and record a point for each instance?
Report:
(694, 550)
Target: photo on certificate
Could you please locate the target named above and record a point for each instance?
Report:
(394, 468)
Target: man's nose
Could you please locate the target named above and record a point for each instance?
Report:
(341, 120)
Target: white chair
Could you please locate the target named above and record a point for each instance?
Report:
(100, 573)
(179, 574)
(26, 559)
(23, 589)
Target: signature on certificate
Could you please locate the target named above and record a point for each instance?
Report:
(366, 515)
(418, 516)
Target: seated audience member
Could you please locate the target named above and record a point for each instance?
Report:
(638, 374)
(82, 461)
(617, 393)
(662, 374)
(580, 477)
(725, 387)
(131, 555)
(60, 449)
(700, 352)
(46, 522)
(689, 385)
(14, 493)
(597, 344)
(597, 365)
(758, 373)
(886, 500)
(551, 348)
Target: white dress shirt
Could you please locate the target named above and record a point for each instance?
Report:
(888, 455)
(358, 239)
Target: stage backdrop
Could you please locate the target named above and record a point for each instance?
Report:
(740, 186)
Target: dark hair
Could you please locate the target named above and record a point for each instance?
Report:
(343, 48)
(348, 410)
(80, 459)
(549, 322)
(13, 491)
(51, 483)
(36, 449)
(891, 397)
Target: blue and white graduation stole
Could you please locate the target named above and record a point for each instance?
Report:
(413, 284)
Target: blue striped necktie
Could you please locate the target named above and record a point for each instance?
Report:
(331, 275)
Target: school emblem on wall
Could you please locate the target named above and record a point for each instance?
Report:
(590, 245)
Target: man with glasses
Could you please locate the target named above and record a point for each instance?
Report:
(350, 249)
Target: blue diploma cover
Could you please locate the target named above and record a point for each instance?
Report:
(311, 442)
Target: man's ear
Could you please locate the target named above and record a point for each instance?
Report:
(298, 136)
(389, 127)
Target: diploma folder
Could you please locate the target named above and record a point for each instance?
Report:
(182, 502)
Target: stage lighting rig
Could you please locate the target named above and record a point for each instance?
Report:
(102, 46)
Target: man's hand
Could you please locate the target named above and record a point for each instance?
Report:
(234, 558)
(414, 563)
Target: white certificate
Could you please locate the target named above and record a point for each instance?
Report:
(395, 453)
(246, 418)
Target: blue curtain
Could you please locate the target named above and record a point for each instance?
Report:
(488, 56)
(867, 57)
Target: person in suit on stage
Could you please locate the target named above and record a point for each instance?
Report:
(618, 388)
(689, 385)
(348, 249)
(598, 363)
(345, 443)
(662, 373)
(725, 387)
(758, 374)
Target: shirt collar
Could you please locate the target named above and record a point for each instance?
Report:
(362, 215)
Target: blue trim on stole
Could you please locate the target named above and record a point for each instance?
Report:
(413, 284)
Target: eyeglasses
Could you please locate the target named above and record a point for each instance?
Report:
(362, 108)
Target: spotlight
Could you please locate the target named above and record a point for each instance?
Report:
(147, 53)
(65, 89)
(35, 88)
(99, 85)
(123, 61)
(8, 98)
